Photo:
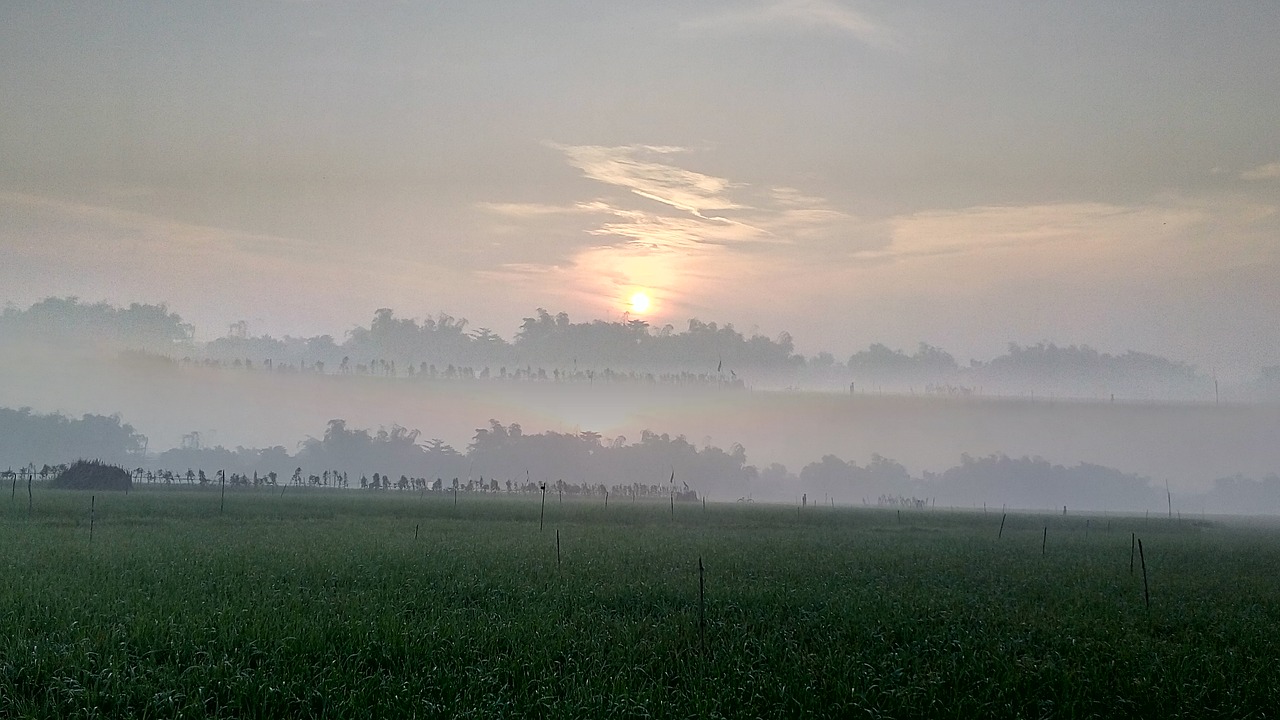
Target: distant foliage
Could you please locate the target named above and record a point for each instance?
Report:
(1035, 482)
(68, 323)
(504, 458)
(1246, 496)
(1082, 370)
(552, 347)
(29, 437)
(878, 365)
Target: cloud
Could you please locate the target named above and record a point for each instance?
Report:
(1083, 229)
(1270, 171)
(633, 167)
(151, 232)
(742, 215)
(666, 232)
(55, 246)
(806, 15)
(700, 234)
(534, 210)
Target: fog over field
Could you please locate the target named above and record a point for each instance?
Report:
(789, 416)
(1187, 443)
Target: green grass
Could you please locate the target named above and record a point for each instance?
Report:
(322, 604)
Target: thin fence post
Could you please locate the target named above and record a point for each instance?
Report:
(1146, 591)
(92, 498)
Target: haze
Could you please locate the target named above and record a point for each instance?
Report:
(1094, 173)
(847, 173)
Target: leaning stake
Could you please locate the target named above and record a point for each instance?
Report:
(1146, 591)
(91, 499)
(1044, 540)
(1002, 519)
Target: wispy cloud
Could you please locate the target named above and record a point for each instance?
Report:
(807, 15)
(692, 208)
(524, 211)
(634, 167)
(1270, 171)
(1083, 228)
(664, 231)
(161, 233)
(673, 229)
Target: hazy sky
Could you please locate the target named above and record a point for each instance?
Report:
(963, 173)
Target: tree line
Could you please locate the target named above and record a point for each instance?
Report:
(551, 346)
(505, 458)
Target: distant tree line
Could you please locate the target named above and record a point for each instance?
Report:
(26, 437)
(553, 347)
(503, 458)
(67, 322)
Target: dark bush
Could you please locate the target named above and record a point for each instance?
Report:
(93, 475)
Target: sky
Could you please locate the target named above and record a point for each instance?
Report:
(966, 174)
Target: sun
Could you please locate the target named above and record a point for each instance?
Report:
(640, 303)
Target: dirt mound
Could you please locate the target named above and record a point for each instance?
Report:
(93, 475)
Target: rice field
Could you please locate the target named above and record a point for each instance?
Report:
(365, 604)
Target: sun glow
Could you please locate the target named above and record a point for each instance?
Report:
(640, 303)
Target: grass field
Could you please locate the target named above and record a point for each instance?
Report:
(359, 604)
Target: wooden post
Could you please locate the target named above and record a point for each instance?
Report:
(92, 498)
(543, 512)
(557, 550)
(222, 481)
(1044, 540)
(1002, 519)
(1146, 592)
